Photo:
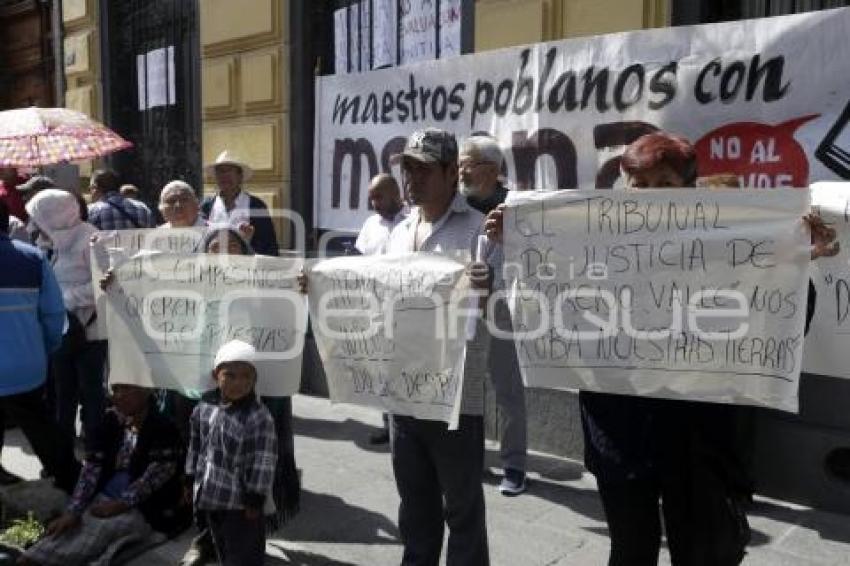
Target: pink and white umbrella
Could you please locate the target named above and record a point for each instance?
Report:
(32, 137)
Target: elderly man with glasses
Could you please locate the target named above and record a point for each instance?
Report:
(480, 169)
(179, 206)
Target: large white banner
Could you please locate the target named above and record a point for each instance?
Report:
(684, 294)
(767, 100)
(168, 314)
(828, 341)
(391, 331)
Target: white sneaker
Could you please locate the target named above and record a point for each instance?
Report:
(513, 483)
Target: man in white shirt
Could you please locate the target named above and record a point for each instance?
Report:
(438, 471)
(385, 199)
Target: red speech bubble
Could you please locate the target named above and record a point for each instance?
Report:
(760, 155)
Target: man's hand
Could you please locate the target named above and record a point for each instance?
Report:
(494, 223)
(823, 237)
(246, 230)
(479, 274)
(66, 522)
(109, 509)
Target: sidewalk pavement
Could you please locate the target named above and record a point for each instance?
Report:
(349, 506)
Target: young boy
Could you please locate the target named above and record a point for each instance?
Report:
(232, 457)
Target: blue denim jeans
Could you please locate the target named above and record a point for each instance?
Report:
(438, 476)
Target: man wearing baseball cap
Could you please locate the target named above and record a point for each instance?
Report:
(438, 471)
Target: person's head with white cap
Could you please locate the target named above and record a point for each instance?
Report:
(229, 173)
(234, 370)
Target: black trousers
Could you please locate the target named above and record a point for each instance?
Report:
(239, 541)
(438, 475)
(55, 450)
(701, 521)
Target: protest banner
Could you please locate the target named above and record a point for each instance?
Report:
(168, 314)
(683, 294)
(112, 247)
(766, 100)
(391, 331)
(826, 348)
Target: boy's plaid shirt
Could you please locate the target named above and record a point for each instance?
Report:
(232, 453)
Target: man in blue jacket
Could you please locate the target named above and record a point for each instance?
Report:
(32, 319)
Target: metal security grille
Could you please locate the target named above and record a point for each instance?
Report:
(709, 11)
(151, 90)
(761, 8)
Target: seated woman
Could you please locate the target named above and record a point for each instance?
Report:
(130, 485)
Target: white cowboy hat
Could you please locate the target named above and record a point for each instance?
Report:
(227, 158)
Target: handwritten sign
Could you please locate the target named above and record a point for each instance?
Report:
(418, 31)
(384, 33)
(169, 313)
(450, 28)
(341, 41)
(364, 28)
(391, 331)
(826, 351)
(683, 294)
(112, 247)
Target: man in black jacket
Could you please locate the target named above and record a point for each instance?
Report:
(235, 206)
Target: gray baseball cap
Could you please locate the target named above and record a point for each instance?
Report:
(431, 145)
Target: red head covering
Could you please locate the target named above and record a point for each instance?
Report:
(661, 148)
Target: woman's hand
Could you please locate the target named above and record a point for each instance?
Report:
(823, 237)
(246, 230)
(109, 509)
(62, 524)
